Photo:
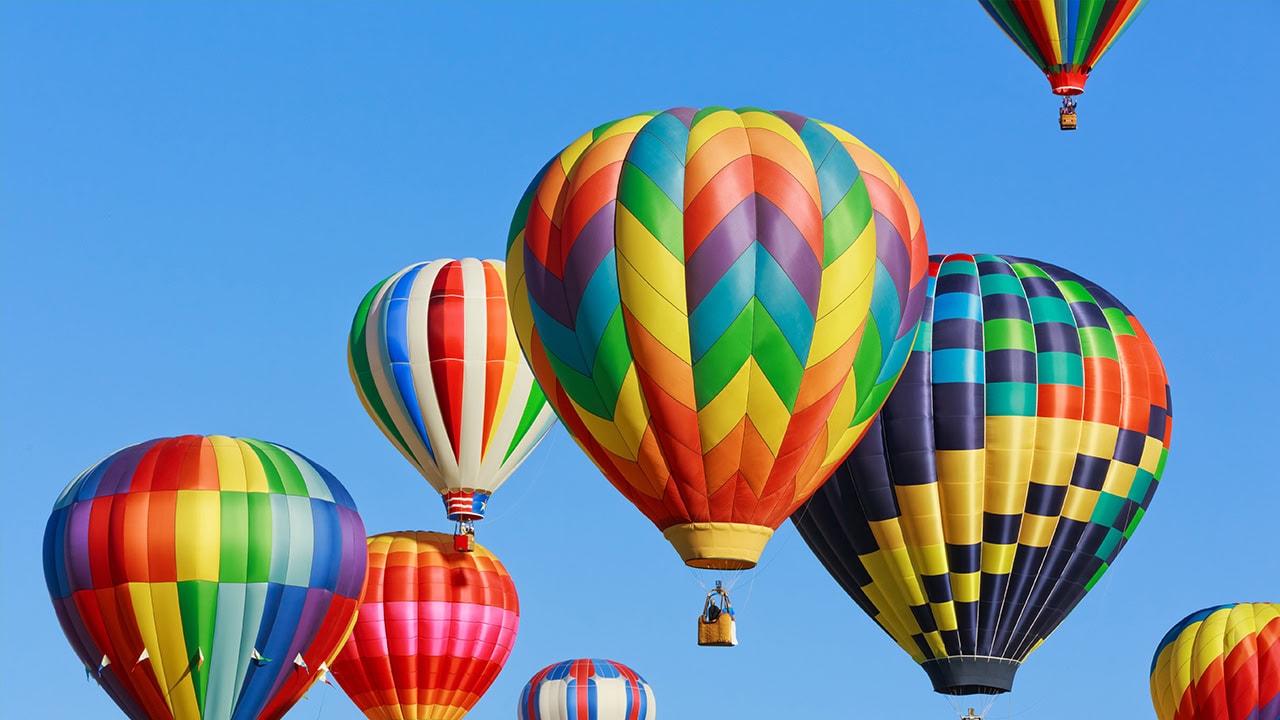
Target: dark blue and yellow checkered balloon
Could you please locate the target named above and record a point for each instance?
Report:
(1009, 466)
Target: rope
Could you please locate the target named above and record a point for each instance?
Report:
(510, 505)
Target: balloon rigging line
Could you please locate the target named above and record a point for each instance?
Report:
(324, 695)
(547, 444)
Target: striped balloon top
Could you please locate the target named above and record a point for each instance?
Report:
(1220, 663)
(587, 689)
(180, 509)
(436, 364)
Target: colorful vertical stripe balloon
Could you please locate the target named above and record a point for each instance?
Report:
(1220, 663)
(205, 577)
(716, 302)
(437, 366)
(587, 689)
(435, 628)
(1064, 38)
(1005, 473)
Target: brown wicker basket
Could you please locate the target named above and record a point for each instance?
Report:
(720, 633)
(715, 624)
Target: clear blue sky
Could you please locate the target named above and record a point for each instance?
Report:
(195, 196)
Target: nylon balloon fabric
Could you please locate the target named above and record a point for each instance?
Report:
(716, 302)
(1220, 663)
(1006, 471)
(435, 628)
(205, 577)
(587, 689)
(1064, 38)
(437, 366)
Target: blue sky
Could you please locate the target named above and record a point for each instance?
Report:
(195, 196)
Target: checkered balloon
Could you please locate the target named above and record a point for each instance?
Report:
(1009, 466)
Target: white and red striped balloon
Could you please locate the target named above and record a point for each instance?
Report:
(587, 689)
(436, 363)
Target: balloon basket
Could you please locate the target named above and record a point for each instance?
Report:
(721, 633)
(464, 542)
(716, 627)
(1067, 121)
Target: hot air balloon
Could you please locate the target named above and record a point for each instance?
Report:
(434, 629)
(436, 364)
(1009, 466)
(587, 690)
(716, 302)
(1221, 663)
(205, 577)
(1064, 38)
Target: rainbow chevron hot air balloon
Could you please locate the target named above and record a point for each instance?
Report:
(435, 361)
(204, 577)
(716, 302)
(435, 628)
(587, 689)
(1220, 663)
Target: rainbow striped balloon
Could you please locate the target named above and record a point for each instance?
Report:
(436, 364)
(1220, 663)
(717, 302)
(435, 628)
(1064, 38)
(587, 690)
(205, 577)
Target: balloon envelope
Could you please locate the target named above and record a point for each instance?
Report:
(1064, 38)
(435, 361)
(716, 302)
(587, 689)
(1008, 468)
(198, 575)
(1220, 663)
(434, 630)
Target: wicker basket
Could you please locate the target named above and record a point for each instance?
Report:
(715, 625)
(720, 633)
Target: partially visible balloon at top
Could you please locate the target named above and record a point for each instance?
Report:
(716, 302)
(435, 361)
(1064, 38)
